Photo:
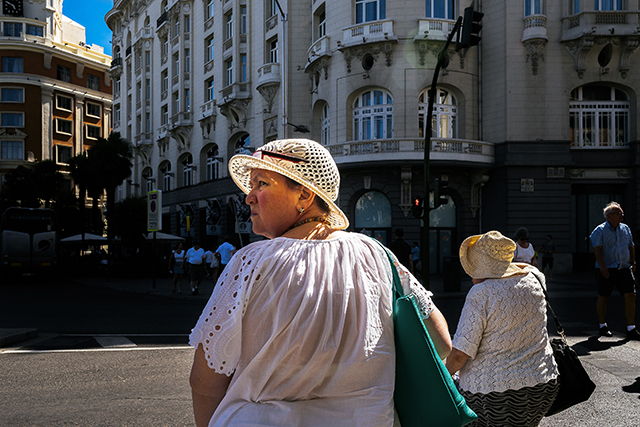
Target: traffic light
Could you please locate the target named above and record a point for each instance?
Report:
(471, 27)
(416, 208)
(440, 192)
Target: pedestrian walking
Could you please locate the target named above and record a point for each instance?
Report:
(415, 257)
(401, 249)
(226, 251)
(196, 259)
(501, 348)
(176, 267)
(300, 330)
(615, 267)
(547, 250)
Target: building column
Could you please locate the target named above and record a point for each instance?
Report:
(46, 94)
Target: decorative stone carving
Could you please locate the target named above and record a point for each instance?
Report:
(405, 190)
(182, 134)
(374, 50)
(579, 49)
(208, 126)
(268, 92)
(271, 127)
(535, 49)
(235, 111)
(144, 151)
(629, 48)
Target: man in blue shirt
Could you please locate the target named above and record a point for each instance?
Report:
(615, 265)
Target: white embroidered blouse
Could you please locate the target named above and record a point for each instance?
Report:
(503, 330)
(306, 329)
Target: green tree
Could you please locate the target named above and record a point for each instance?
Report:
(110, 160)
(33, 186)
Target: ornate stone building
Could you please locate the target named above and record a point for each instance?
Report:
(534, 127)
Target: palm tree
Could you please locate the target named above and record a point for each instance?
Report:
(110, 160)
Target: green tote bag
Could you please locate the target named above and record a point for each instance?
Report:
(425, 394)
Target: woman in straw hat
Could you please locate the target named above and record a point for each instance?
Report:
(299, 328)
(507, 371)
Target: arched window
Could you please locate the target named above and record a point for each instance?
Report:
(444, 120)
(373, 115)
(167, 175)
(148, 180)
(373, 210)
(243, 145)
(599, 116)
(444, 9)
(214, 163)
(370, 10)
(187, 170)
(325, 125)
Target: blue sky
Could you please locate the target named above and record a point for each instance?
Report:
(90, 14)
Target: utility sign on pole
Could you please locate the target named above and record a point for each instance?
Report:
(154, 210)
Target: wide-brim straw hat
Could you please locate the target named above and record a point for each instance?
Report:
(302, 160)
(488, 256)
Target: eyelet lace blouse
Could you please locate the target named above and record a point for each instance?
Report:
(305, 327)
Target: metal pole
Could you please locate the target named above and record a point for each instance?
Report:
(424, 236)
(155, 255)
(285, 79)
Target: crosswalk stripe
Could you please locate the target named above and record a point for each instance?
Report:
(114, 342)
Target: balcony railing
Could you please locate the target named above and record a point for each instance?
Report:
(458, 150)
(319, 49)
(368, 32)
(161, 20)
(434, 29)
(208, 109)
(269, 73)
(144, 33)
(535, 27)
(598, 23)
(184, 118)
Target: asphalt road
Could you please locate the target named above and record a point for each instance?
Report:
(108, 357)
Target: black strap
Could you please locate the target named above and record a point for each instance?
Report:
(559, 327)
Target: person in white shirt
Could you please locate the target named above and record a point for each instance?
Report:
(508, 375)
(176, 266)
(196, 259)
(299, 328)
(524, 251)
(226, 251)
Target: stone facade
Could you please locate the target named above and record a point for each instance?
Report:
(515, 132)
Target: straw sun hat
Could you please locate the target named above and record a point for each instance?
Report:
(302, 160)
(488, 256)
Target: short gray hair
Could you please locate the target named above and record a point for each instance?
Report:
(611, 206)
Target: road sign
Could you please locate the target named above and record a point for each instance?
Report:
(154, 210)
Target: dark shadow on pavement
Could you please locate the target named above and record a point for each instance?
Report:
(593, 343)
(633, 388)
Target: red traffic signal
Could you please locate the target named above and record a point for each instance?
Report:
(417, 207)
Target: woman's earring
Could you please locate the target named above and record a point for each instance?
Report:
(301, 211)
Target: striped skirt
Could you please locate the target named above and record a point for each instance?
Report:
(524, 407)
